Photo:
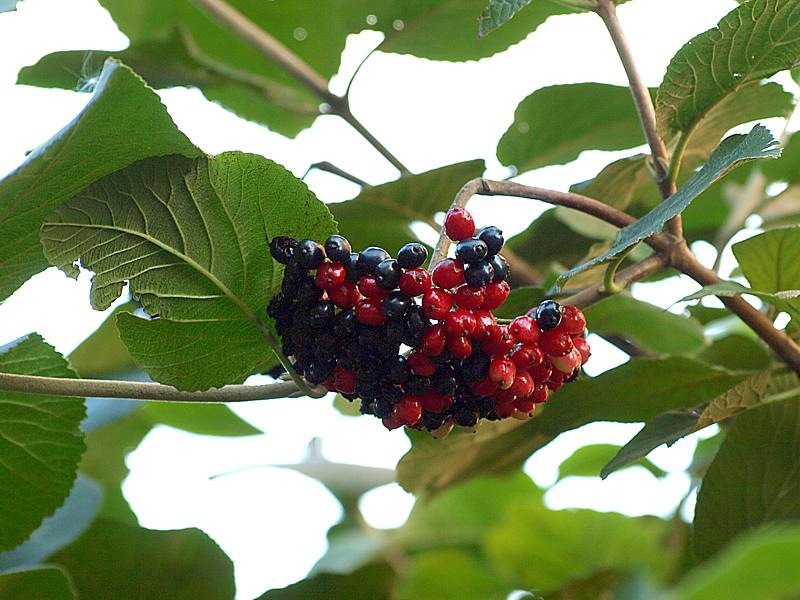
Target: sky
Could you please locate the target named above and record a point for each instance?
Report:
(270, 520)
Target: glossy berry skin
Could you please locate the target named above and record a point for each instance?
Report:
(479, 274)
(433, 343)
(415, 282)
(387, 274)
(583, 347)
(493, 238)
(459, 346)
(353, 268)
(541, 373)
(572, 320)
(420, 364)
(437, 303)
(505, 409)
(548, 315)
(471, 250)
(330, 275)
(369, 288)
(496, 294)
(369, 312)
(502, 372)
(525, 405)
(540, 393)
(449, 273)
(459, 224)
(460, 323)
(527, 356)
(434, 402)
(483, 319)
(524, 330)
(337, 248)
(371, 257)
(412, 256)
(498, 342)
(523, 384)
(346, 295)
(469, 296)
(282, 248)
(395, 305)
(556, 342)
(500, 267)
(485, 387)
(569, 362)
(309, 254)
(408, 411)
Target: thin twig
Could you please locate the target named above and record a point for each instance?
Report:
(275, 51)
(649, 266)
(607, 9)
(137, 390)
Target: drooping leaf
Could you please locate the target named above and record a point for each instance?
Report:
(122, 108)
(40, 583)
(191, 238)
(636, 391)
(751, 43)
(754, 480)
(375, 582)
(467, 578)
(588, 461)
(734, 151)
(40, 442)
(648, 326)
(382, 215)
(115, 560)
(555, 124)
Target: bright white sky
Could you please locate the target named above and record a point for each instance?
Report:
(272, 521)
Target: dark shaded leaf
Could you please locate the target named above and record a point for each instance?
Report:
(41, 583)
(375, 582)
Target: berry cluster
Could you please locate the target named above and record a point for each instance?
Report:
(422, 349)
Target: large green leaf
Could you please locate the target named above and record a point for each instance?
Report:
(103, 354)
(753, 42)
(382, 215)
(467, 578)
(755, 479)
(737, 352)
(634, 392)
(771, 260)
(122, 108)
(41, 583)
(190, 237)
(40, 442)
(555, 124)
(375, 582)
(499, 12)
(649, 326)
(754, 566)
(734, 151)
(114, 560)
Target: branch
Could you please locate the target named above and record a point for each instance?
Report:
(275, 51)
(137, 390)
(649, 266)
(607, 9)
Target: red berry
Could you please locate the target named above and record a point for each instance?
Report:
(369, 312)
(484, 320)
(346, 295)
(449, 273)
(540, 393)
(505, 409)
(583, 347)
(436, 303)
(525, 405)
(484, 387)
(460, 347)
(525, 330)
(527, 356)
(330, 275)
(392, 423)
(541, 373)
(408, 411)
(556, 381)
(567, 363)
(523, 384)
(459, 224)
(572, 320)
(434, 340)
(415, 282)
(496, 294)
(435, 402)
(502, 371)
(460, 323)
(344, 380)
(420, 364)
(369, 288)
(556, 342)
(470, 296)
(498, 341)
(503, 396)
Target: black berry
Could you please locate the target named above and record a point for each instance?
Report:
(412, 255)
(493, 238)
(309, 254)
(371, 257)
(472, 250)
(548, 315)
(500, 267)
(321, 315)
(282, 248)
(396, 305)
(338, 249)
(387, 274)
(479, 274)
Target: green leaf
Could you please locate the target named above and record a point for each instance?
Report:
(754, 480)
(40, 442)
(753, 42)
(544, 549)
(122, 108)
(771, 260)
(499, 12)
(448, 574)
(375, 582)
(623, 183)
(103, 353)
(202, 419)
(785, 300)
(520, 301)
(555, 124)
(636, 391)
(736, 352)
(348, 408)
(41, 583)
(190, 237)
(734, 151)
(739, 398)
(382, 215)
(648, 326)
(115, 560)
(753, 566)
(588, 461)
(788, 167)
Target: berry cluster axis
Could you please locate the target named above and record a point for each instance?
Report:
(422, 349)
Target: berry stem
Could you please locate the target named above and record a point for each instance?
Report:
(611, 286)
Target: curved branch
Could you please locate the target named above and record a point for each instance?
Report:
(137, 390)
(649, 266)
